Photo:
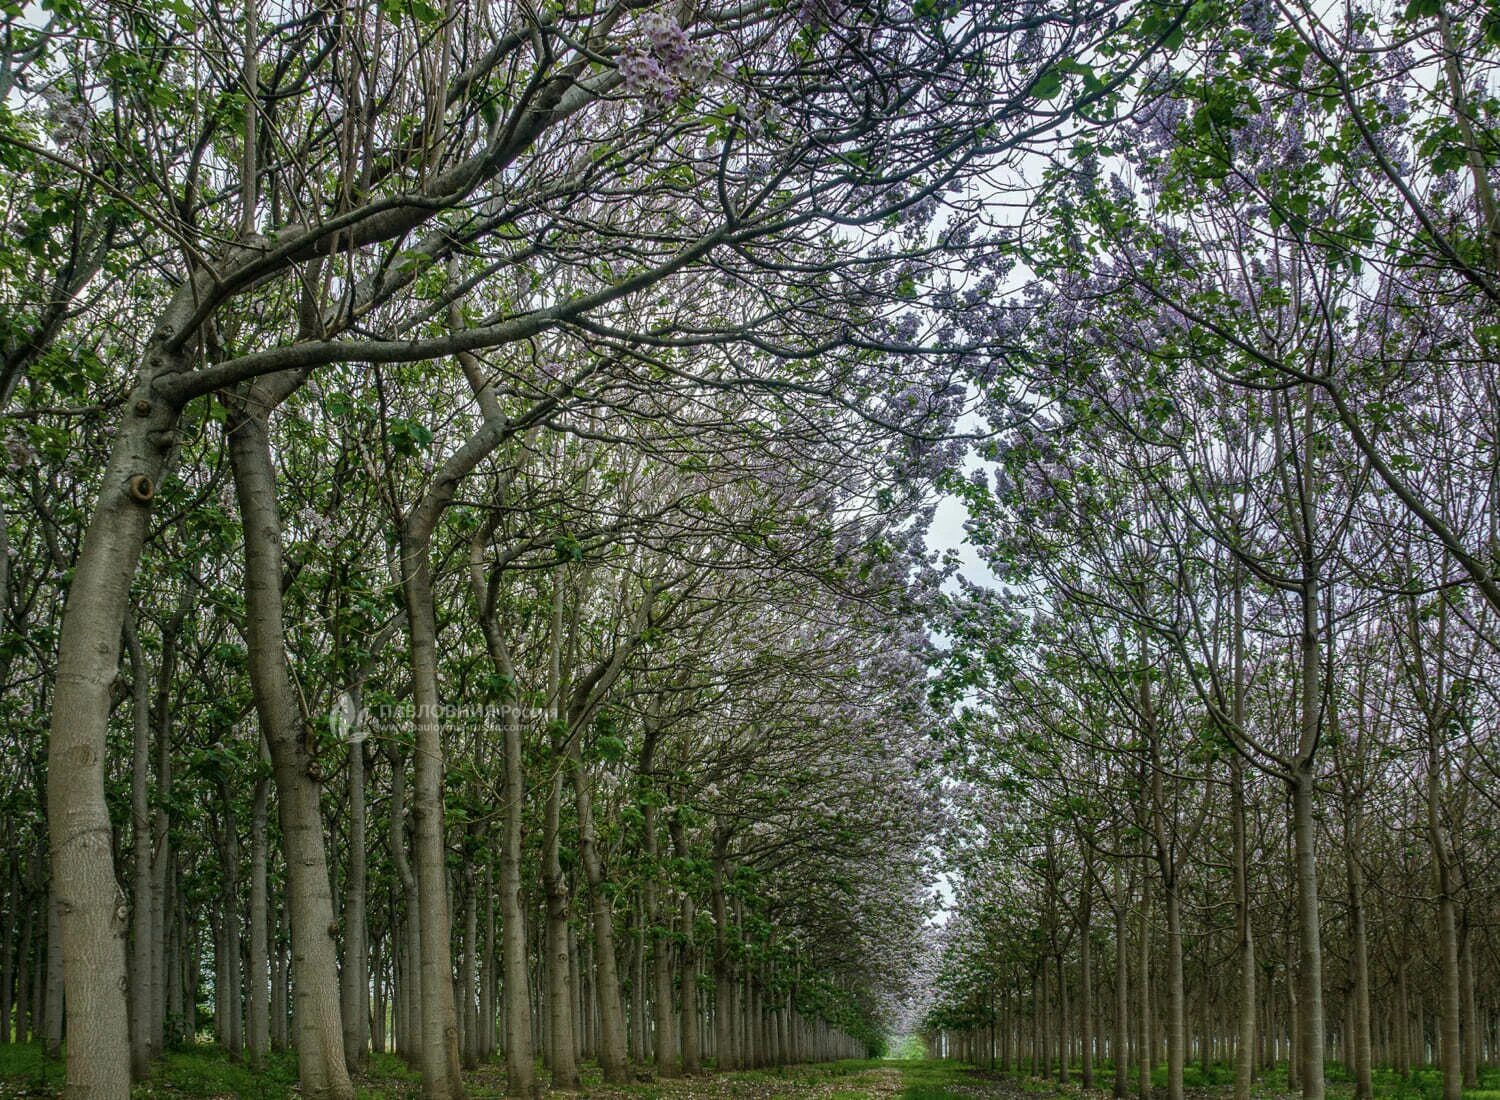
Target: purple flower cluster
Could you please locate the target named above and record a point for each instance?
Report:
(65, 118)
(818, 13)
(667, 64)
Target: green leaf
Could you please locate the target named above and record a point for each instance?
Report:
(1048, 85)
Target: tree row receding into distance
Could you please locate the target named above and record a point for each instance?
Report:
(1227, 754)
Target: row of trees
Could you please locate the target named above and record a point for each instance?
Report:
(464, 489)
(1230, 728)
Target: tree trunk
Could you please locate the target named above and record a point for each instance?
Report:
(724, 1047)
(442, 1077)
(1359, 1042)
(1448, 1019)
(355, 975)
(612, 1059)
(562, 1049)
(1176, 995)
(51, 986)
(260, 1001)
(142, 935)
(515, 985)
(320, 1047)
(1244, 1062)
(1469, 1037)
(1310, 991)
(692, 1050)
(1119, 1044)
(1086, 974)
(91, 906)
(1145, 1041)
(405, 955)
(468, 972)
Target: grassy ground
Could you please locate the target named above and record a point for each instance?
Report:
(205, 1073)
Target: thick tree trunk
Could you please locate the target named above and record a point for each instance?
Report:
(320, 1047)
(92, 909)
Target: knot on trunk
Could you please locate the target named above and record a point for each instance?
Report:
(141, 489)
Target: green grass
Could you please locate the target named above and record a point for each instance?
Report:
(205, 1071)
(925, 1080)
(24, 1067)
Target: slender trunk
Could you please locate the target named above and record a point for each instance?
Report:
(1145, 1042)
(1176, 995)
(1402, 1025)
(355, 976)
(612, 1059)
(1359, 1042)
(1304, 825)
(1244, 1063)
(320, 1049)
(1086, 976)
(1310, 983)
(280, 985)
(468, 971)
(665, 1046)
(1448, 1019)
(232, 973)
(1119, 1044)
(162, 897)
(520, 1069)
(1469, 1029)
(409, 953)
(442, 1077)
(724, 1046)
(692, 1050)
(259, 978)
(515, 985)
(562, 1052)
(51, 986)
(7, 952)
(487, 974)
(140, 871)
